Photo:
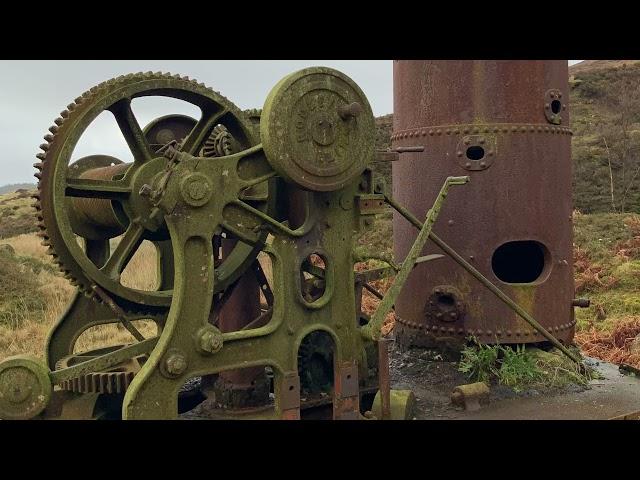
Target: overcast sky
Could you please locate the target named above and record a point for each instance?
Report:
(32, 94)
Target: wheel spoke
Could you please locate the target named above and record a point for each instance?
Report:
(122, 254)
(90, 188)
(202, 130)
(131, 131)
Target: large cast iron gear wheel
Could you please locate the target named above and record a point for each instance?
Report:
(117, 190)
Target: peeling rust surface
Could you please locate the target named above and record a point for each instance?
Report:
(486, 119)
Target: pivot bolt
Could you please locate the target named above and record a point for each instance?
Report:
(175, 364)
(209, 340)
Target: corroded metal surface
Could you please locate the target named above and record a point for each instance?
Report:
(506, 125)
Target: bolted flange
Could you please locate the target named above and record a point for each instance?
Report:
(209, 340)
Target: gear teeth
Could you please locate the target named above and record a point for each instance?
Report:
(35, 196)
(38, 175)
(47, 160)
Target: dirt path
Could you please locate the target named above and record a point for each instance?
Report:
(433, 380)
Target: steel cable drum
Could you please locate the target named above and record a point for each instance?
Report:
(506, 125)
(317, 129)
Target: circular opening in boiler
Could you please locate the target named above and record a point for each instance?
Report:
(520, 261)
(475, 153)
(556, 106)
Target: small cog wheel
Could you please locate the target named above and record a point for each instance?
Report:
(219, 143)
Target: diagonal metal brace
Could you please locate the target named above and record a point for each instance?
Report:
(372, 330)
(487, 283)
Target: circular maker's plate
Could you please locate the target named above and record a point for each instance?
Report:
(308, 133)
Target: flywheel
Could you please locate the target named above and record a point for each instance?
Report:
(84, 206)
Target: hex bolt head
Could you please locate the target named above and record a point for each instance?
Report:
(209, 340)
(175, 364)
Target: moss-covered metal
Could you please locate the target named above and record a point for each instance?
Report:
(184, 202)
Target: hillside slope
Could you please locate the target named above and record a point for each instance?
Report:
(605, 119)
(16, 186)
(589, 66)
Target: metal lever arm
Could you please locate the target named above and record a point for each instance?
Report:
(372, 330)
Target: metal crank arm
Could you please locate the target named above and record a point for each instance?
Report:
(372, 330)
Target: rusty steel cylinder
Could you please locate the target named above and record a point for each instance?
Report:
(506, 125)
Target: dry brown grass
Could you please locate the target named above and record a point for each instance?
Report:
(612, 345)
(27, 244)
(590, 275)
(33, 326)
(27, 332)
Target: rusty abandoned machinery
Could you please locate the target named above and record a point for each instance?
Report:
(506, 125)
(215, 196)
(240, 207)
